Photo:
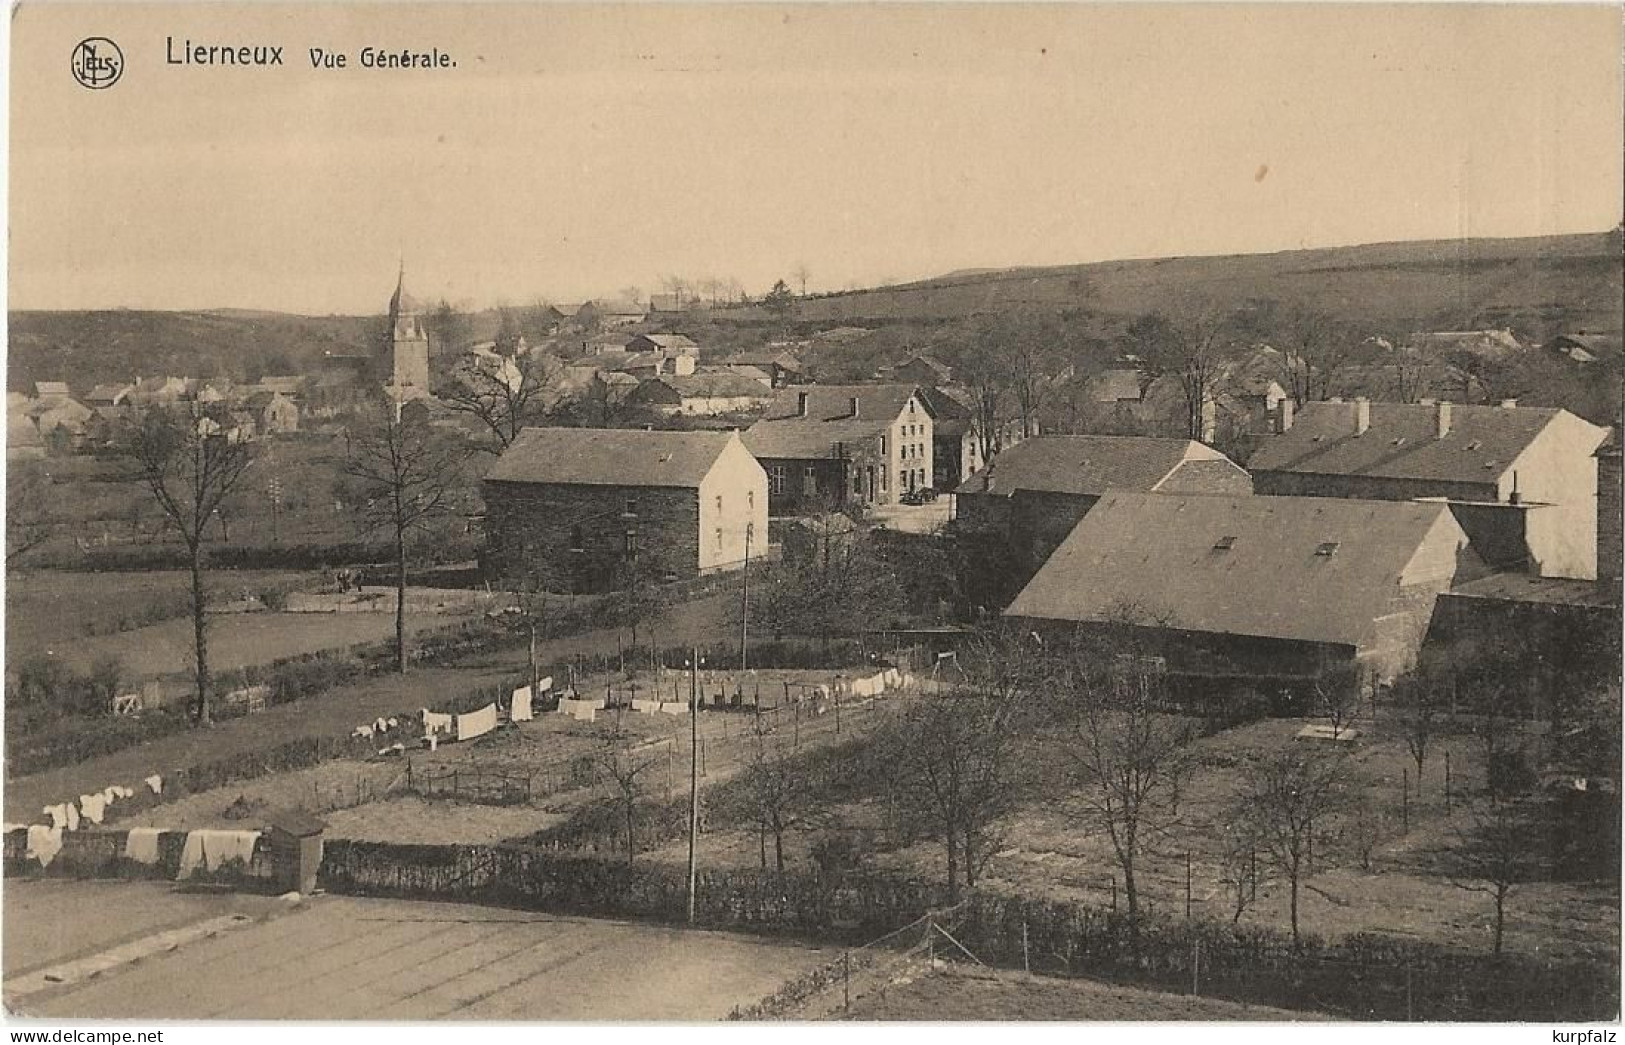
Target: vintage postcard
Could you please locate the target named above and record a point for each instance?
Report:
(668, 512)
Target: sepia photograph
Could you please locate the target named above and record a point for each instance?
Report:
(820, 513)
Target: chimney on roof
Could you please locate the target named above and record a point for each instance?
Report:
(1362, 415)
(1509, 404)
(856, 402)
(1442, 412)
(1283, 420)
(1516, 496)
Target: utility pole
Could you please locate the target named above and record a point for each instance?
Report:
(693, 771)
(744, 616)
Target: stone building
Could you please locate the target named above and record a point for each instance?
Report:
(828, 445)
(588, 509)
(1522, 481)
(408, 346)
(1261, 587)
(1032, 495)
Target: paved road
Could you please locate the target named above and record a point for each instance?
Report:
(338, 958)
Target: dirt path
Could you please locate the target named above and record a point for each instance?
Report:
(333, 714)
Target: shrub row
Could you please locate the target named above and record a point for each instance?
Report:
(173, 556)
(99, 853)
(853, 908)
(1364, 977)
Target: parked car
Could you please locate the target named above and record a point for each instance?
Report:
(924, 495)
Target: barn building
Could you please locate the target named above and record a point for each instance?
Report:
(588, 509)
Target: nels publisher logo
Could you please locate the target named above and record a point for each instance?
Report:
(97, 63)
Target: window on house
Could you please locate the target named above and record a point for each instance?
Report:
(857, 484)
(719, 505)
(631, 544)
(1326, 549)
(883, 444)
(1224, 544)
(911, 407)
(750, 501)
(719, 540)
(809, 480)
(578, 540)
(631, 507)
(776, 478)
(882, 478)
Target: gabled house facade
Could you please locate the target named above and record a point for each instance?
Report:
(828, 445)
(584, 509)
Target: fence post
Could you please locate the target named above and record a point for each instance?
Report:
(1405, 801)
(1409, 1011)
(1187, 886)
(846, 979)
(1447, 780)
(1026, 959)
(1196, 967)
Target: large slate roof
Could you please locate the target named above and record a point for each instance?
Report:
(1403, 443)
(1085, 464)
(1313, 569)
(610, 457)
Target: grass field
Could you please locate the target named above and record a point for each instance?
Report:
(57, 609)
(334, 713)
(341, 958)
(959, 993)
(239, 640)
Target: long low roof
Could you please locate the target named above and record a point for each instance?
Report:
(1311, 569)
(610, 457)
(1403, 441)
(1086, 464)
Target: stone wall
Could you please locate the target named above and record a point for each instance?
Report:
(531, 528)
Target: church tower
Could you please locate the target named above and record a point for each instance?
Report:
(409, 345)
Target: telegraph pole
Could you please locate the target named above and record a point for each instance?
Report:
(693, 771)
(744, 616)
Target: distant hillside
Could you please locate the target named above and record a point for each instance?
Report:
(1537, 286)
(1534, 284)
(88, 348)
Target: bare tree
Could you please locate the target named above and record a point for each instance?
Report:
(532, 613)
(1497, 850)
(1417, 699)
(504, 392)
(1238, 867)
(407, 473)
(190, 462)
(1314, 347)
(1130, 760)
(1282, 798)
(956, 759)
(1192, 350)
(780, 799)
(1337, 695)
(28, 511)
(989, 385)
(618, 758)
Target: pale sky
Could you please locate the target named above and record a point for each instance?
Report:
(576, 150)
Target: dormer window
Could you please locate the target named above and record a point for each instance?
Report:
(1326, 549)
(1224, 544)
